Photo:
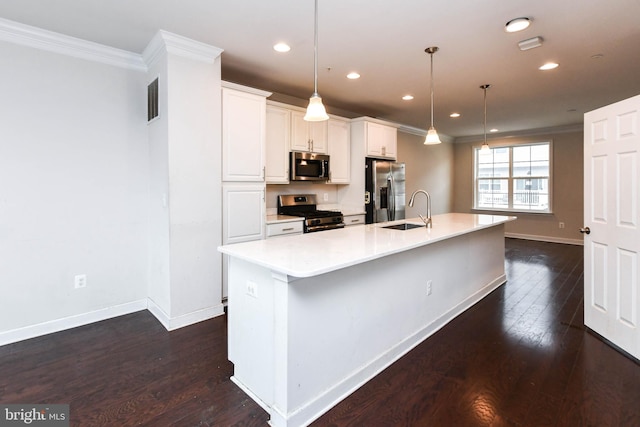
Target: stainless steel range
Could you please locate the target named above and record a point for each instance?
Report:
(305, 205)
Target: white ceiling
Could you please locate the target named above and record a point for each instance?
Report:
(384, 41)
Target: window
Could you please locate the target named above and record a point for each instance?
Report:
(513, 178)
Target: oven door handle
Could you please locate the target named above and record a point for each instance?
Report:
(314, 228)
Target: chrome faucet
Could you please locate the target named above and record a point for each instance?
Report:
(427, 220)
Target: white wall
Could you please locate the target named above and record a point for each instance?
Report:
(185, 187)
(73, 186)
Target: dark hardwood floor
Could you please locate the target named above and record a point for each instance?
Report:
(520, 357)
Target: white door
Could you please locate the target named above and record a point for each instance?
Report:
(612, 215)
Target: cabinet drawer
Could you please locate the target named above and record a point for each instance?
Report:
(353, 220)
(284, 228)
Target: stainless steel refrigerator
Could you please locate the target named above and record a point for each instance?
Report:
(384, 190)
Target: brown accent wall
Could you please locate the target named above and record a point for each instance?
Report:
(567, 188)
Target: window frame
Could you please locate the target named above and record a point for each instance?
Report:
(511, 179)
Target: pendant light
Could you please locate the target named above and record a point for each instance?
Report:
(315, 110)
(485, 146)
(432, 135)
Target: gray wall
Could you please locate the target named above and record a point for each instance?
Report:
(567, 188)
(429, 167)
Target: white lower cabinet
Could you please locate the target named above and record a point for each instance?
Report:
(354, 220)
(284, 228)
(243, 218)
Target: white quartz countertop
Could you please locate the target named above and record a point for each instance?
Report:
(276, 219)
(312, 254)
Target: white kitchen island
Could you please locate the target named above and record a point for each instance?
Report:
(312, 317)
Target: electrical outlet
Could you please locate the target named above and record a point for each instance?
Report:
(80, 281)
(429, 285)
(252, 289)
(561, 225)
(325, 197)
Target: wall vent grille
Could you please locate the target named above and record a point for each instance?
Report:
(152, 100)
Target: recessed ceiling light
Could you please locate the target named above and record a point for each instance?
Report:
(454, 115)
(281, 47)
(597, 56)
(407, 97)
(494, 130)
(548, 66)
(353, 75)
(517, 24)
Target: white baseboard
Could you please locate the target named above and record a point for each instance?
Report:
(549, 239)
(171, 324)
(58, 325)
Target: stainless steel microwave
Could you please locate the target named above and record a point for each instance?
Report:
(309, 166)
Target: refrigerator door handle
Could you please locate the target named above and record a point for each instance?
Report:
(391, 209)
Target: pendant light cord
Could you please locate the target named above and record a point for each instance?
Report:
(315, 52)
(485, 114)
(431, 88)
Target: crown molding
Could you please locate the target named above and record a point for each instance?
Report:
(576, 127)
(26, 35)
(165, 41)
(423, 132)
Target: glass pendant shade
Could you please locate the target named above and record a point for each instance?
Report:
(432, 137)
(316, 111)
(485, 147)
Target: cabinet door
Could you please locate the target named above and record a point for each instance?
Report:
(318, 132)
(389, 142)
(244, 214)
(300, 139)
(350, 220)
(373, 139)
(381, 141)
(307, 136)
(243, 136)
(284, 229)
(278, 141)
(339, 145)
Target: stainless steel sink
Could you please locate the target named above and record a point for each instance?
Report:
(403, 226)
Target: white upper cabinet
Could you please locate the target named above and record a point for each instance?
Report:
(307, 136)
(278, 142)
(381, 140)
(339, 149)
(243, 135)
